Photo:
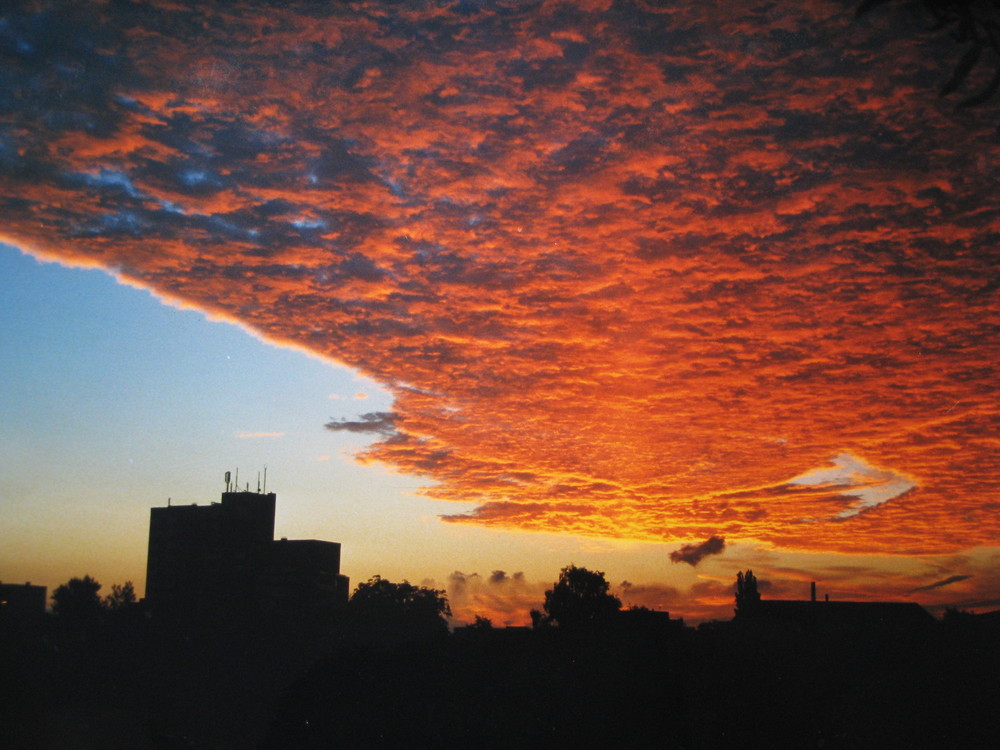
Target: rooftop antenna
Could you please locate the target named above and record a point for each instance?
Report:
(258, 482)
(228, 476)
(265, 477)
(236, 484)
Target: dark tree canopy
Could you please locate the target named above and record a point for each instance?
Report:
(122, 597)
(747, 595)
(77, 600)
(399, 608)
(481, 623)
(580, 598)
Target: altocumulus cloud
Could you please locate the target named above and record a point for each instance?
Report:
(625, 268)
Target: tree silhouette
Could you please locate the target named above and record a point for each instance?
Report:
(481, 624)
(77, 600)
(122, 597)
(539, 620)
(399, 609)
(747, 595)
(77, 609)
(580, 598)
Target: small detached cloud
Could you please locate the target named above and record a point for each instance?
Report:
(376, 422)
(241, 434)
(692, 554)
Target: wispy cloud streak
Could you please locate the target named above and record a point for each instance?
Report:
(938, 584)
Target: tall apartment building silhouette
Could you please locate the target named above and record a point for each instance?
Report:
(221, 560)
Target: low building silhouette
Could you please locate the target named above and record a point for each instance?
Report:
(221, 561)
(301, 573)
(22, 606)
(812, 615)
(641, 619)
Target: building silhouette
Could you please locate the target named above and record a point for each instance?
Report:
(221, 561)
(812, 615)
(22, 606)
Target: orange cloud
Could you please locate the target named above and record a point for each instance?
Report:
(628, 271)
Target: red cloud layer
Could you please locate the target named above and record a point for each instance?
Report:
(629, 270)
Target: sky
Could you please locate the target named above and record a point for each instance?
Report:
(664, 290)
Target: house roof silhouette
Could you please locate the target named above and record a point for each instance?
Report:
(829, 615)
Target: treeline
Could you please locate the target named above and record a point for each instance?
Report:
(621, 684)
(385, 672)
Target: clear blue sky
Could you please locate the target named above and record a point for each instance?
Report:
(113, 402)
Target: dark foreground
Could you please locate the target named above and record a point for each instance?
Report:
(136, 685)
